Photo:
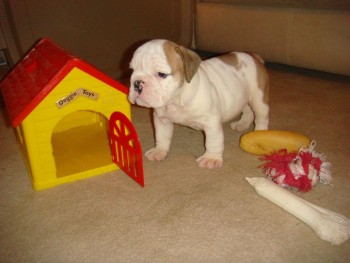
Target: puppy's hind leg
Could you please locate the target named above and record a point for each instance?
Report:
(245, 121)
(261, 112)
(262, 118)
(260, 96)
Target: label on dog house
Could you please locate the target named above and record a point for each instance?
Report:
(63, 110)
(75, 94)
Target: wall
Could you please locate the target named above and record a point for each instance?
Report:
(314, 38)
(104, 33)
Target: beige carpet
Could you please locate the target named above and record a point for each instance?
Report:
(184, 213)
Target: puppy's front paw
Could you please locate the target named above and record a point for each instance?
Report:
(156, 154)
(210, 161)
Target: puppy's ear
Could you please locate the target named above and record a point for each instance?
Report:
(190, 62)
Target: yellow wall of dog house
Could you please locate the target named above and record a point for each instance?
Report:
(48, 123)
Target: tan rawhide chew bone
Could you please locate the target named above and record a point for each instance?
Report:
(328, 225)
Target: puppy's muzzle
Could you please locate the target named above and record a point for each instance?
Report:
(138, 86)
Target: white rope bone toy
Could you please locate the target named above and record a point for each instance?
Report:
(328, 225)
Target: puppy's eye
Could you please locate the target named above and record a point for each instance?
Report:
(162, 75)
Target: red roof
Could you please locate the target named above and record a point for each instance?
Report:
(33, 78)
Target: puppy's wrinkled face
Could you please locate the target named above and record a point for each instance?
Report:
(157, 74)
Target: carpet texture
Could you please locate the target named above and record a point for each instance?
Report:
(184, 213)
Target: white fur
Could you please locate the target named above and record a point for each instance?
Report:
(217, 93)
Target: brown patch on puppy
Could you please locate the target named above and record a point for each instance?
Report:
(263, 77)
(182, 60)
(230, 59)
(174, 60)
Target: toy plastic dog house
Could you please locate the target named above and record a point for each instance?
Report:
(71, 120)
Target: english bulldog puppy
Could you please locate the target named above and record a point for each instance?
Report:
(184, 90)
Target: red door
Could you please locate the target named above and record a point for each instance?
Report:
(126, 147)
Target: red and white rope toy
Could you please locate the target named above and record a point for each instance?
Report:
(302, 170)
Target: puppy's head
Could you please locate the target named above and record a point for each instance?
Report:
(160, 69)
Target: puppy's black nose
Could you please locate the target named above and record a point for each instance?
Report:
(138, 86)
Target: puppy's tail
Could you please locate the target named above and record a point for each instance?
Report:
(257, 56)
